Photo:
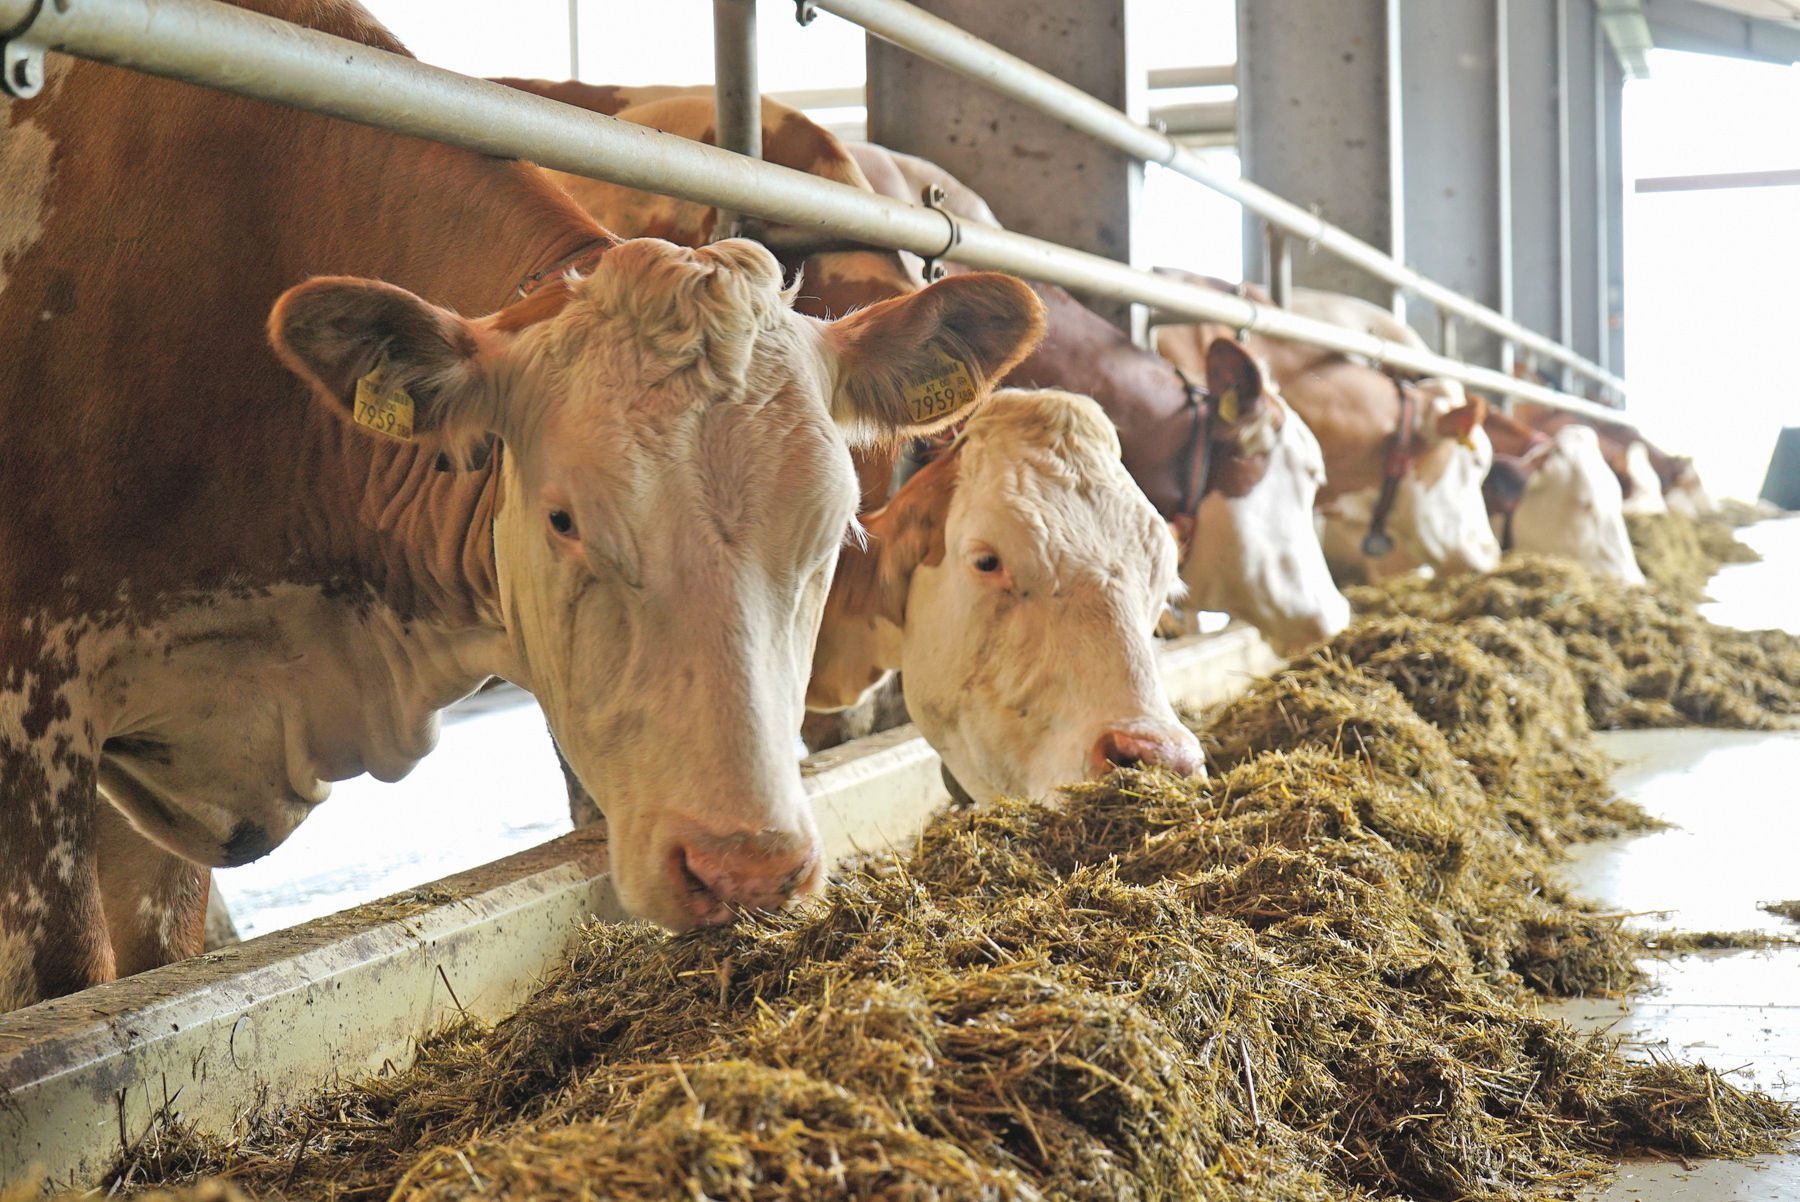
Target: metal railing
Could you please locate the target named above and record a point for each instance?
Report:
(247, 53)
(954, 49)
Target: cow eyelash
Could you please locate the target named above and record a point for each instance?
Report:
(562, 523)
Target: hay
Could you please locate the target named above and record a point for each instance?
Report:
(1789, 910)
(1308, 978)
(1679, 553)
(1643, 659)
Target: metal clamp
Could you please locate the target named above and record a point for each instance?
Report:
(804, 11)
(932, 197)
(22, 57)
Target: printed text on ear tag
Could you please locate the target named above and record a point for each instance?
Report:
(945, 386)
(382, 407)
(1228, 405)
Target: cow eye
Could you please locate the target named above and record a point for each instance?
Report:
(562, 523)
(989, 562)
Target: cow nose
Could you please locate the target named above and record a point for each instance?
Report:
(763, 870)
(1176, 749)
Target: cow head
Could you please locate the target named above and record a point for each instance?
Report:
(1570, 505)
(674, 485)
(1439, 518)
(1016, 581)
(1254, 552)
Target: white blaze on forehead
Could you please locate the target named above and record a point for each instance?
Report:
(26, 173)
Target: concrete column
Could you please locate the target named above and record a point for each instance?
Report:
(1534, 121)
(1585, 47)
(1456, 232)
(1612, 187)
(1039, 176)
(1316, 107)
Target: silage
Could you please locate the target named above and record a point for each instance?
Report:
(1307, 978)
(1643, 658)
(1679, 553)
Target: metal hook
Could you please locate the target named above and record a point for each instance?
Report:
(932, 197)
(22, 58)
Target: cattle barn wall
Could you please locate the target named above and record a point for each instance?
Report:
(1039, 176)
(1477, 142)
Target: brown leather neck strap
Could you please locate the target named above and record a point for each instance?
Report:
(1378, 542)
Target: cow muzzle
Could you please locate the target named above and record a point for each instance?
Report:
(1174, 749)
(720, 875)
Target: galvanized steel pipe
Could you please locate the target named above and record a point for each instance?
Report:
(941, 42)
(219, 46)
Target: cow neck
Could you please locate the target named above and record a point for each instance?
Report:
(180, 456)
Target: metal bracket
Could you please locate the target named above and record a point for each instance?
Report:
(804, 11)
(22, 61)
(22, 57)
(932, 197)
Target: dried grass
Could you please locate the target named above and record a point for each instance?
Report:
(1311, 977)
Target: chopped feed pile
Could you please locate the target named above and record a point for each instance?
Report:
(1789, 910)
(1310, 977)
(1644, 659)
(1679, 553)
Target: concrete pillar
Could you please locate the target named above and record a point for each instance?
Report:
(1316, 107)
(1039, 176)
(1585, 46)
(1612, 187)
(1450, 90)
(1535, 134)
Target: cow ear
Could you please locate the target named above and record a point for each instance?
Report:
(909, 531)
(1462, 422)
(1234, 382)
(915, 364)
(390, 362)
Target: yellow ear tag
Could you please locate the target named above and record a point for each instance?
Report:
(1228, 405)
(382, 407)
(1467, 439)
(945, 386)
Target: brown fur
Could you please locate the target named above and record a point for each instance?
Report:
(152, 445)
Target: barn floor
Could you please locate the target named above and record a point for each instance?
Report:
(1730, 796)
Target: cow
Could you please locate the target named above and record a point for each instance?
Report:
(1249, 547)
(273, 501)
(1555, 494)
(1429, 469)
(1016, 581)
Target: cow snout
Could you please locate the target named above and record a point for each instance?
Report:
(1176, 750)
(753, 871)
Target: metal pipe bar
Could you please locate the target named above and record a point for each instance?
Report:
(1217, 75)
(944, 44)
(737, 96)
(250, 54)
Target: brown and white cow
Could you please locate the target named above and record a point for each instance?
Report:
(1437, 518)
(1250, 549)
(1016, 581)
(1554, 494)
(220, 593)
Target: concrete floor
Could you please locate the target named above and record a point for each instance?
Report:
(1731, 796)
